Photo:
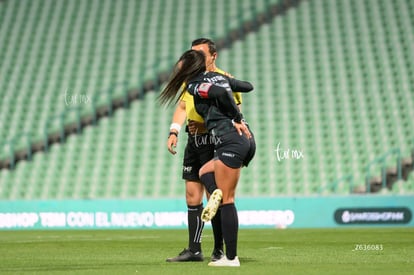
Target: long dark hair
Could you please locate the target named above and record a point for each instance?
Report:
(190, 64)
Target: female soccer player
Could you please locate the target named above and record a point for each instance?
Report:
(198, 151)
(213, 100)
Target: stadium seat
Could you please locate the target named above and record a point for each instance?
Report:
(332, 79)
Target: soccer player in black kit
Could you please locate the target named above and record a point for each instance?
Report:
(198, 151)
(234, 143)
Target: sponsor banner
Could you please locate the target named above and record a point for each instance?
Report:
(286, 212)
(385, 215)
(82, 219)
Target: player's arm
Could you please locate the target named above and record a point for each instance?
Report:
(240, 85)
(225, 97)
(178, 120)
(237, 95)
(222, 94)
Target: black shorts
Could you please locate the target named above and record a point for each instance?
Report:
(234, 150)
(198, 151)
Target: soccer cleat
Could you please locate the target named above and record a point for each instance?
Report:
(212, 205)
(187, 256)
(217, 255)
(226, 262)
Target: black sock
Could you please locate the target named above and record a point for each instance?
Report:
(195, 227)
(209, 182)
(230, 227)
(218, 233)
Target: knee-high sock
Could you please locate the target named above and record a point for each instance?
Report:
(209, 182)
(195, 227)
(230, 227)
(217, 230)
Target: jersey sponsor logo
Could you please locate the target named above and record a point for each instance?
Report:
(219, 80)
(216, 79)
(203, 89)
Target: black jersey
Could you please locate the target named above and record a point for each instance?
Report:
(213, 100)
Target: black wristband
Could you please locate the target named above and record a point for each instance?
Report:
(173, 133)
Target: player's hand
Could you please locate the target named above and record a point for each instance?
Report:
(172, 144)
(195, 127)
(242, 129)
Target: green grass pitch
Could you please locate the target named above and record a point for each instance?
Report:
(261, 251)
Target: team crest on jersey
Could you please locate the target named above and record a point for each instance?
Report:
(203, 89)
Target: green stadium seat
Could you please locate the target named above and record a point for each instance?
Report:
(332, 78)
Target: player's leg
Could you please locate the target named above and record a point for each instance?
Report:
(207, 177)
(227, 179)
(212, 211)
(194, 198)
(230, 158)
